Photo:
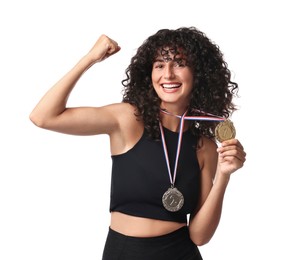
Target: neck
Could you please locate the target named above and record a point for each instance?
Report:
(174, 109)
(172, 120)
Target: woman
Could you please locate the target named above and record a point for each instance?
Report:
(168, 175)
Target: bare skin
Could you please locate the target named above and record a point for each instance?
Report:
(119, 123)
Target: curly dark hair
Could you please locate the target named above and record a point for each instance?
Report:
(212, 91)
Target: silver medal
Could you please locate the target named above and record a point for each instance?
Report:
(173, 199)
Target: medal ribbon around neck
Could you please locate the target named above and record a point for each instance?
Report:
(172, 199)
(211, 117)
(172, 179)
(225, 130)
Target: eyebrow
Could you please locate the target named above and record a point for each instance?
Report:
(158, 60)
(175, 60)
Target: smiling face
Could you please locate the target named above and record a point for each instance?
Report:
(172, 80)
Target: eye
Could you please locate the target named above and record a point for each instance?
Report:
(180, 63)
(158, 65)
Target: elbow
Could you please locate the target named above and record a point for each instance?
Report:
(200, 238)
(200, 241)
(36, 120)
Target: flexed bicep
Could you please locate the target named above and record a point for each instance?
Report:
(52, 112)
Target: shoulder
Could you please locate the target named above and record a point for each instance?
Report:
(119, 114)
(121, 109)
(207, 144)
(124, 113)
(122, 106)
(129, 129)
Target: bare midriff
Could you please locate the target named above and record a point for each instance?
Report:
(141, 227)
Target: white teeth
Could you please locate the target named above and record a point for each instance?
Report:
(170, 86)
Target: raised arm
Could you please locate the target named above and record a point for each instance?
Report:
(51, 112)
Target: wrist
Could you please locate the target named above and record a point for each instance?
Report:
(221, 179)
(87, 61)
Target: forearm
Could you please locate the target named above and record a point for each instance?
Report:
(204, 224)
(53, 103)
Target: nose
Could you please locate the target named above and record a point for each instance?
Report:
(168, 72)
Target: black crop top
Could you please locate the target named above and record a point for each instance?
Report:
(140, 178)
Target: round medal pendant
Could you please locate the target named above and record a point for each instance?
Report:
(173, 199)
(225, 130)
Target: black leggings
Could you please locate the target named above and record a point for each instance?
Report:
(173, 246)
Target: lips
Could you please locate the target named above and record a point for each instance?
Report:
(170, 87)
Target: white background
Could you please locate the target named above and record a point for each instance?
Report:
(54, 188)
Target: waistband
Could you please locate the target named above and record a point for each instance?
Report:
(176, 245)
(182, 232)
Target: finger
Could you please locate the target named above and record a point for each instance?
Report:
(112, 47)
(232, 142)
(233, 154)
(229, 148)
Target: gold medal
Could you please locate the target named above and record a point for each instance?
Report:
(225, 130)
